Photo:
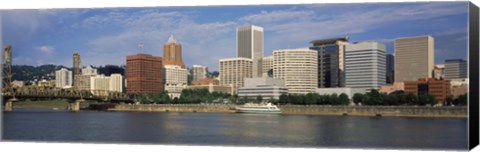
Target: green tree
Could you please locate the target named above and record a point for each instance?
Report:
(334, 99)
(422, 100)
(311, 98)
(375, 98)
(343, 99)
(462, 100)
(449, 100)
(431, 100)
(259, 99)
(366, 99)
(393, 99)
(283, 99)
(411, 99)
(357, 98)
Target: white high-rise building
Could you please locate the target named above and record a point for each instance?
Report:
(100, 85)
(175, 78)
(233, 71)
(250, 45)
(365, 65)
(63, 78)
(267, 65)
(298, 68)
(199, 72)
(116, 83)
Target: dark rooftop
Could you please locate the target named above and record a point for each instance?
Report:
(329, 41)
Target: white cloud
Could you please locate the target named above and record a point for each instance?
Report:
(199, 40)
(278, 16)
(47, 50)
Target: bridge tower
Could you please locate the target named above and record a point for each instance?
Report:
(7, 88)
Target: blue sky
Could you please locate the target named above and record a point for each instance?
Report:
(207, 34)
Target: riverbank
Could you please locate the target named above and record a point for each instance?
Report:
(391, 111)
(59, 104)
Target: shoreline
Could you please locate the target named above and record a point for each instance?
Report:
(376, 111)
(325, 110)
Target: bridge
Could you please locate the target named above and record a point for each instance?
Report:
(10, 95)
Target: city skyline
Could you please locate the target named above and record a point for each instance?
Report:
(51, 36)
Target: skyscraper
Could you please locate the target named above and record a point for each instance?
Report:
(175, 79)
(330, 61)
(250, 45)
(63, 78)
(365, 65)
(233, 71)
(413, 58)
(390, 68)
(144, 74)
(455, 69)
(76, 67)
(199, 72)
(298, 68)
(172, 53)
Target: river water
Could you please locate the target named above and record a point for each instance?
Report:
(232, 129)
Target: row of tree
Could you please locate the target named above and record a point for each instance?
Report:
(397, 98)
(314, 99)
(188, 96)
(195, 96)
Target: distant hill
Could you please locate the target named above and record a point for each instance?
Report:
(30, 73)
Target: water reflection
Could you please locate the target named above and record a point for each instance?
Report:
(236, 129)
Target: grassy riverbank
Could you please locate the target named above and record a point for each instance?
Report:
(60, 104)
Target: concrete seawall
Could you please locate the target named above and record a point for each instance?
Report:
(399, 111)
(174, 108)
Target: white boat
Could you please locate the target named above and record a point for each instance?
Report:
(258, 108)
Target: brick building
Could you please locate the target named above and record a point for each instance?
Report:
(144, 74)
(438, 88)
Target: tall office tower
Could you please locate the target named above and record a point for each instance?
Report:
(63, 78)
(116, 83)
(233, 71)
(365, 65)
(390, 68)
(172, 53)
(144, 74)
(175, 78)
(76, 66)
(199, 72)
(330, 61)
(298, 68)
(413, 58)
(250, 45)
(455, 69)
(267, 66)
